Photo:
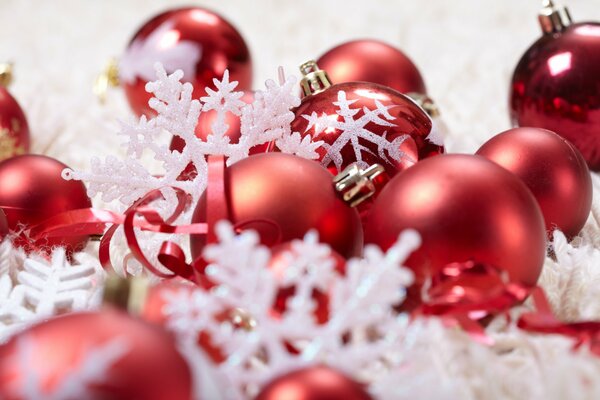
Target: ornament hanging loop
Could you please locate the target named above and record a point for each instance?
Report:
(6, 74)
(107, 79)
(314, 80)
(357, 184)
(553, 18)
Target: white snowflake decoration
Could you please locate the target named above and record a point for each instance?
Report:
(353, 130)
(361, 303)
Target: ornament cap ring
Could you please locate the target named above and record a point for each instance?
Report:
(553, 18)
(314, 80)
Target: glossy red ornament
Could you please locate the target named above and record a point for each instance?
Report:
(556, 86)
(199, 42)
(465, 208)
(110, 353)
(32, 190)
(14, 130)
(282, 196)
(3, 224)
(280, 259)
(313, 383)
(554, 171)
(407, 119)
(373, 61)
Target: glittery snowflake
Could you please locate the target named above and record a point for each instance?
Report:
(353, 129)
(267, 119)
(358, 336)
(42, 288)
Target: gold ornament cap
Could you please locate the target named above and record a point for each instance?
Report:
(554, 18)
(314, 80)
(426, 103)
(6, 74)
(357, 184)
(107, 79)
(128, 294)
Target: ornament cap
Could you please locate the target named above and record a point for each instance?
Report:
(554, 18)
(6, 74)
(357, 184)
(314, 80)
(426, 103)
(128, 294)
(108, 78)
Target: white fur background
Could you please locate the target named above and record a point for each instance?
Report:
(466, 51)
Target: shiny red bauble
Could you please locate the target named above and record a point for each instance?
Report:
(14, 130)
(282, 197)
(199, 42)
(313, 383)
(465, 208)
(374, 61)
(105, 354)
(407, 119)
(556, 86)
(32, 190)
(281, 257)
(554, 171)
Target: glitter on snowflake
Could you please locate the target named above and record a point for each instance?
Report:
(359, 334)
(352, 130)
(266, 120)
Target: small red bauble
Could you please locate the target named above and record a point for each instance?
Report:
(105, 354)
(406, 119)
(465, 208)
(555, 84)
(552, 169)
(313, 383)
(199, 42)
(32, 190)
(280, 259)
(282, 196)
(374, 61)
(14, 130)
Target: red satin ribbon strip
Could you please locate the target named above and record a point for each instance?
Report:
(217, 207)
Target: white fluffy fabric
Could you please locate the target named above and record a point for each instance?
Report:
(466, 50)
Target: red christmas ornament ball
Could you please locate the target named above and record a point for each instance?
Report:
(14, 130)
(556, 85)
(407, 119)
(3, 224)
(373, 61)
(282, 196)
(552, 169)
(110, 353)
(280, 261)
(199, 42)
(313, 383)
(32, 190)
(465, 208)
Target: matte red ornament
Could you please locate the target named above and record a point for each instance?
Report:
(407, 119)
(199, 42)
(112, 354)
(14, 130)
(313, 383)
(554, 171)
(282, 196)
(280, 259)
(373, 61)
(466, 208)
(32, 190)
(556, 86)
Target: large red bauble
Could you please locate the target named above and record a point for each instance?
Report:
(293, 195)
(32, 190)
(313, 383)
(552, 169)
(374, 61)
(280, 261)
(109, 353)
(556, 86)
(408, 119)
(198, 41)
(465, 208)
(14, 130)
